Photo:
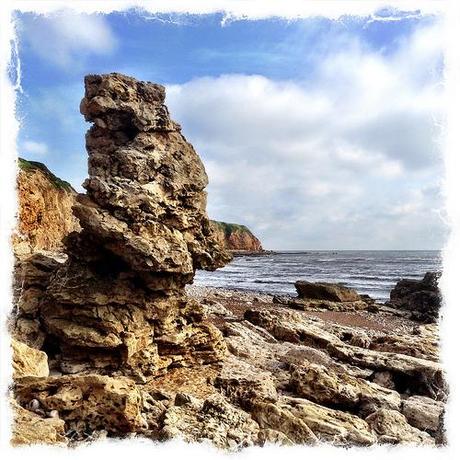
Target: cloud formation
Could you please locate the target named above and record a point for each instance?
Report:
(34, 148)
(346, 158)
(65, 39)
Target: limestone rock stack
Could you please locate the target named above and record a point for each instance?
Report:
(118, 303)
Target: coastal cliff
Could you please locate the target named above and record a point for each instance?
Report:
(236, 237)
(45, 209)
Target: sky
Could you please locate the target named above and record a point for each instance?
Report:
(316, 134)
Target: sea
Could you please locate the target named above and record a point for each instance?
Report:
(369, 272)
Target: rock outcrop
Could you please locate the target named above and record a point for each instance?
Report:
(326, 291)
(325, 296)
(28, 362)
(118, 302)
(422, 298)
(45, 209)
(28, 428)
(236, 237)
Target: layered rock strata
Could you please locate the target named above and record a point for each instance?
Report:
(235, 237)
(118, 303)
(45, 209)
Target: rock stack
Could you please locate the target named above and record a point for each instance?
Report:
(118, 304)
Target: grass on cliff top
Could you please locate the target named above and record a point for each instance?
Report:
(232, 228)
(27, 165)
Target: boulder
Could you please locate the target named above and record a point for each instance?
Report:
(391, 427)
(86, 402)
(331, 425)
(282, 424)
(29, 428)
(423, 413)
(326, 291)
(422, 298)
(341, 390)
(28, 361)
(213, 419)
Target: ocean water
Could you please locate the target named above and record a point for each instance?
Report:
(369, 272)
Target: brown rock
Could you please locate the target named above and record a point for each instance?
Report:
(422, 298)
(235, 237)
(28, 428)
(213, 419)
(420, 376)
(87, 402)
(283, 425)
(28, 362)
(119, 301)
(423, 413)
(391, 427)
(326, 291)
(335, 426)
(45, 209)
(325, 386)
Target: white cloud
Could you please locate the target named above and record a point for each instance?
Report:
(65, 39)
(34, 148)
(330, 162)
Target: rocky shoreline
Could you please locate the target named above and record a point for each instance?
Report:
(111, 339)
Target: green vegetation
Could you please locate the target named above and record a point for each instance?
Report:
(232, 228)
(27, 165)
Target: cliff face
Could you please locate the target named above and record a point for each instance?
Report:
(235, 237)
(45, 209)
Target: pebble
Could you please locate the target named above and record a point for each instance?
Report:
(53, 414)
(34, 405)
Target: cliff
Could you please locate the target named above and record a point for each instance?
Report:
(45, 209)
(235, 237)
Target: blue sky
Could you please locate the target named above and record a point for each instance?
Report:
(317, 134)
